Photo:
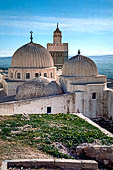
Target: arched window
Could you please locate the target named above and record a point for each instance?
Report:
(27, 75)
(18, 76)
(11, 75)
(45, 74)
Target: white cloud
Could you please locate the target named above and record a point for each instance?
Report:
(15, 25)
(6, 53)
(67, 24)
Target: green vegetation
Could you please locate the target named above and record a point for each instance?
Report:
(44, 131)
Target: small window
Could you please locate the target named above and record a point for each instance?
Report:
(36, 74)
(40, 74)
(27, 75)
(51, 75)
(45, 74)
(11, 75)
(93, 95)
(48, 109)
(18, 75)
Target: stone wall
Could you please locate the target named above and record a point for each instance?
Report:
(51, 163)
(102, 154)
(58, 104)
(108, 103)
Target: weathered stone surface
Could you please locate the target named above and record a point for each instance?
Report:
(105, 123)
(38, 87)
(103, 154)
(66, 164)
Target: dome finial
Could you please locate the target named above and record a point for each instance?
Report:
(31, 37)
(78, 51)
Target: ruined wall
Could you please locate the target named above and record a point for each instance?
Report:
(59, 104)
(50, 164)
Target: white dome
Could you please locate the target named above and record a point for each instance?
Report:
(32, 55)
(80, 66)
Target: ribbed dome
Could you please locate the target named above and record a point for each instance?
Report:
(80, 66)
(32, 55)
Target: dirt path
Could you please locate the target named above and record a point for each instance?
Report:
(12, 150)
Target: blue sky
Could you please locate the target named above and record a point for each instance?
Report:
(85, 24)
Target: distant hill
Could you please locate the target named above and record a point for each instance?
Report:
(5, 62)
(104, 64)
(6, 57)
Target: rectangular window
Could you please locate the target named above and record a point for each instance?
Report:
(93, 95)
(45, 74)
(18, 75)
(27, 75)
(11, 75)
(48, 109)
(36, 74)
(51, 75)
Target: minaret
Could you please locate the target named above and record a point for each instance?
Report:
(57, 36)
(57, 49)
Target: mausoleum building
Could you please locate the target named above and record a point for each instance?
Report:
(37, 88)
(29, 62)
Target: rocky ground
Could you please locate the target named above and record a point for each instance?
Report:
(59, 135)
(105, 123)
(15, 150)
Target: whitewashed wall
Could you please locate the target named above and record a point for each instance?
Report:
(108, 103)
(78, 101)
(59, 104)
(91, 108)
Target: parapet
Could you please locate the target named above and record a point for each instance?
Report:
(60, 47)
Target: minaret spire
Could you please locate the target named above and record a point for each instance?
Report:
(31, 36)
(57, 24)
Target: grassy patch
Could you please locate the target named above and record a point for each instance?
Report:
(42, 131)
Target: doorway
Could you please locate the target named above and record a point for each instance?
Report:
(48, 109)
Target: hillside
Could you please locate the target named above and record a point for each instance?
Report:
(34, 136)
(45, 136)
